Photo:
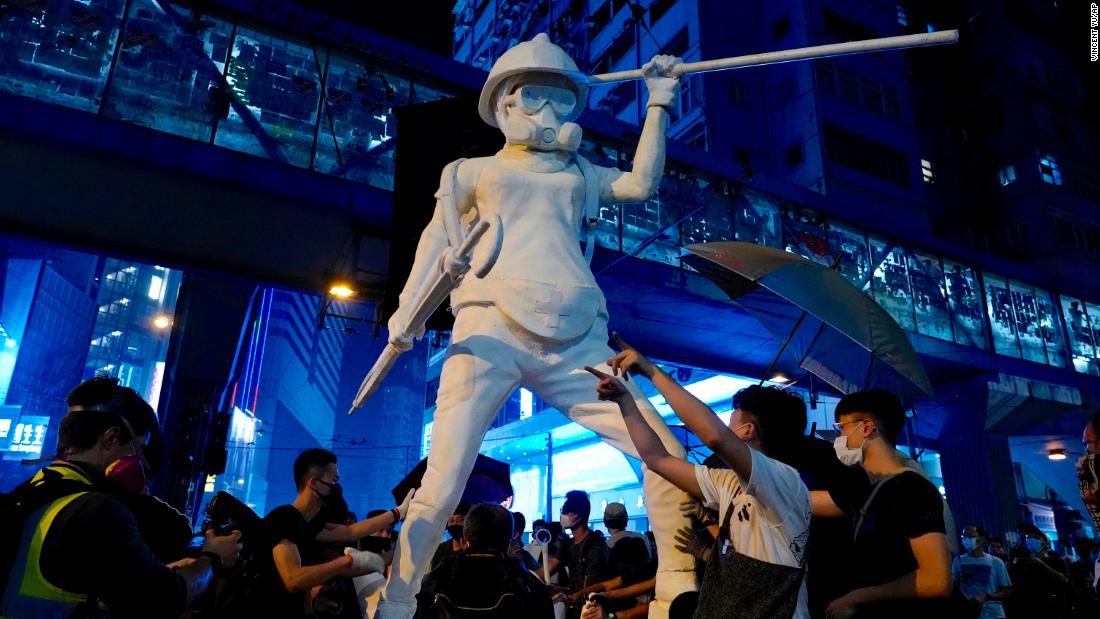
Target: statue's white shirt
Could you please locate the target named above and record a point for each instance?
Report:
(540, 279)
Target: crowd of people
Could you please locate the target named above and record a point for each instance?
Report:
(783, 525)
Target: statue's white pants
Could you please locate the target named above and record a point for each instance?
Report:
(486, 361)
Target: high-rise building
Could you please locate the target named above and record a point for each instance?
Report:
(45, 321)
(136, 303)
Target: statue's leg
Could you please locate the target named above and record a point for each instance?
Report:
(574, 393)
(478, 375)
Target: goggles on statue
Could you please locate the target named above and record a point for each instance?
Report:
(533, 97)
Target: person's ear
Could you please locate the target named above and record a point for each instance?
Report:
(750, 431)
(111, 438)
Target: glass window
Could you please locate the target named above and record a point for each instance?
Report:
(928, 171)
(169, 72)
(275, 82)
(356, 139)
(806, 238)
(1028, 327)
(712, 223)
(851, 244)
(1080, 335)
(643, 220)
(1049, 170)
(1007, 175)
(59, 52)
(1050, 322)
(890, 282)
(929, 295)
(593, 467)
(903, 16)
(756, 219)
(964, 299)
(1002, 322)
(422, 93)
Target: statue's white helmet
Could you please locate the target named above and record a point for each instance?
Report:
(538, 55)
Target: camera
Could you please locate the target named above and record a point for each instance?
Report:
(543, 536)
(599, 598)
(237, 589)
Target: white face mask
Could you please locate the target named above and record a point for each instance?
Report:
(848, 456)
(970, 543)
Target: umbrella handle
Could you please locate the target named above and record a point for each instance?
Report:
(782, 348)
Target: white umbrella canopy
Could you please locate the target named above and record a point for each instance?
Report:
(831, 329)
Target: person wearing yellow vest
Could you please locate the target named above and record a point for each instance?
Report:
(81, 551)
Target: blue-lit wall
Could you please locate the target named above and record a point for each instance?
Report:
(49, 319)
(293, 386)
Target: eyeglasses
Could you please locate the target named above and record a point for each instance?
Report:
(839, 427)
(533, 97)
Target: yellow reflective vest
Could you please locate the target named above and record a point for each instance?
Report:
(28, 593)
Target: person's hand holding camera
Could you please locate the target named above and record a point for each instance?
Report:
(226, 547)
(594, 607)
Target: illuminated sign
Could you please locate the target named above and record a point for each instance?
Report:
(27, 436)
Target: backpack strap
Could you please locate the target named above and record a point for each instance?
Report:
(591, 216)
(867, 505)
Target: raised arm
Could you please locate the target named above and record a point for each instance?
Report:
(433, 242)
(363, 528)
(649, 159)
(697, 416)
(680, 473)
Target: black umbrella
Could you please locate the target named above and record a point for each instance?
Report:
(490, 481)
(827, 325)
(693, 445)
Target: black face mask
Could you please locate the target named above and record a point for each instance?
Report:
(455, 531)
(335, 497)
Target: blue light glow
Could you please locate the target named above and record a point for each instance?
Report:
(711, 390)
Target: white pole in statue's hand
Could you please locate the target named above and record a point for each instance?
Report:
(452, 270)
(803, 53)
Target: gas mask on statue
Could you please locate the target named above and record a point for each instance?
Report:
(533, 115)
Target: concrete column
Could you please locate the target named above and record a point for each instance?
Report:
(980, 483)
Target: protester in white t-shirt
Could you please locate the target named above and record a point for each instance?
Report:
(761, 501)
(981, 576)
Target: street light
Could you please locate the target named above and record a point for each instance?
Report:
(341, 290)
(162, 322)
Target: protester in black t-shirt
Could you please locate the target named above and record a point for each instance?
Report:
(901, 564)
(829, 554)
(453, 546)
(296, 528)
(585, 557)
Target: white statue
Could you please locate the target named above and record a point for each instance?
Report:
(534, 315)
